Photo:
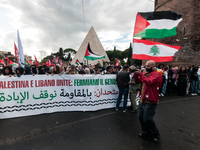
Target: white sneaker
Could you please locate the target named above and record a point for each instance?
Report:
(162, 94)
(124, 111)
(192, 94)
(195, 94)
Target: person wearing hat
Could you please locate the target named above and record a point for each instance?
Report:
(72, 70)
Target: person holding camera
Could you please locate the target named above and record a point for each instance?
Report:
(150, 84)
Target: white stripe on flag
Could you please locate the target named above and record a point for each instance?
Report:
(140, 48)
(163, 24)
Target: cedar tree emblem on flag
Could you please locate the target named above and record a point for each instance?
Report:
(154, 50)
(89, 55)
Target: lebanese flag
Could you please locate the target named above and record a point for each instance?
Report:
(117, 62)
(89, 55)
(36, 61)
(77, 62)
(148, 50)
(159, 24)
(17, 53)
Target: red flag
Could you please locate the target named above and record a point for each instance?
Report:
(17, 54)
(49, 62)
(117, 62)
(2, 61)
(61, 62)
(36, 62)
(57, 59)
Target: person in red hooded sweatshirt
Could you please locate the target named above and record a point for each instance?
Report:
(150, 84)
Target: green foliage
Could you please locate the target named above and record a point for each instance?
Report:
(122, 55)
(1, 56)
(64, 55)
(68, 53)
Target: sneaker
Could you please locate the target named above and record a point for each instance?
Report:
(162, 94)
(156, 139)
(195, 94)
(116, 109)
(159, 95)
(124, 111)
(144, 136)
(192, 94)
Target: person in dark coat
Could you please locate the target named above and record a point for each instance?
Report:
(123, 79)
(194, 81)
(182, 79)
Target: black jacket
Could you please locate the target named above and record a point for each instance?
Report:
(194, 75)
(123, 79)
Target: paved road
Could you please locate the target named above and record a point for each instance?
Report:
(178, 119)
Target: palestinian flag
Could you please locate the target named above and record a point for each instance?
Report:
(77, 62)
(148, 50)
(26, 63)
(117, 62)
(89, 55)
(30, 62)
(159, 24)
(9, 62)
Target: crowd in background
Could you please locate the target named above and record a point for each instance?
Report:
(176, 81)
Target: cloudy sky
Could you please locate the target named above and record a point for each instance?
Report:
(47, 25)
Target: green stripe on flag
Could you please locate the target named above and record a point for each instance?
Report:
(157, 33)
(94, 58)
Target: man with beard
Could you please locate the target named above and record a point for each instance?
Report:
(150, 84)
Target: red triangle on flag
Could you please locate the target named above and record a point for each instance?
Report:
(140, 24)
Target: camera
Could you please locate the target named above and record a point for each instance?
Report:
(133, 70)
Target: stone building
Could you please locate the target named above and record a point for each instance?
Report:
(95, 46)
(188, 30)
(12, 57)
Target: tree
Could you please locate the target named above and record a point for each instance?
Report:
(62, 54)
(1, 56)
(69, 53)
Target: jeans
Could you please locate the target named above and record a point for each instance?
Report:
(194, 85)
(164, 87)
(121, 91)
(146, 113)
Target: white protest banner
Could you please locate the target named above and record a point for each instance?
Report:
(32, 95)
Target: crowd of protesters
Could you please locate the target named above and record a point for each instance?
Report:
(176, 81)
